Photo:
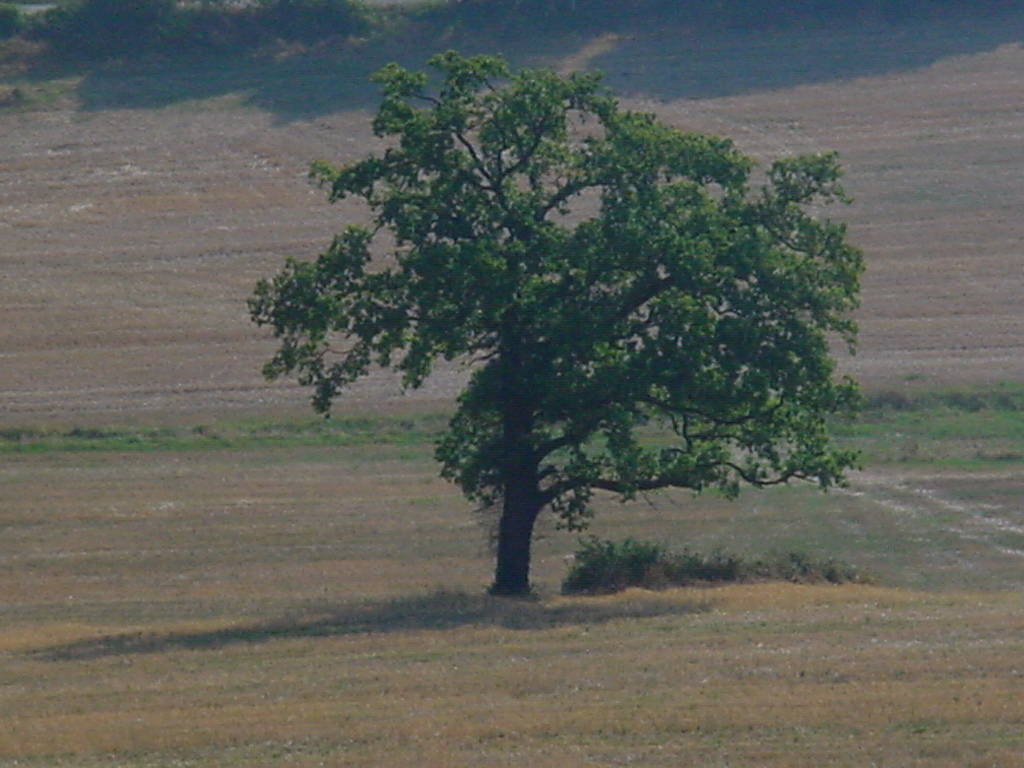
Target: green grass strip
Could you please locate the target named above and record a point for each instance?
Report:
(345, 431)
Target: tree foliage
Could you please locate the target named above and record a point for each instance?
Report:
(636, 314)
(89, 30)
(510, 17)
(12, 20)
(101, 28)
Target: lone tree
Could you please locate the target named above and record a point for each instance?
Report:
(636, 316)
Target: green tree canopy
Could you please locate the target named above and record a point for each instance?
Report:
(635, 313)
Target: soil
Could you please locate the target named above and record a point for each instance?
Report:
(140, 205)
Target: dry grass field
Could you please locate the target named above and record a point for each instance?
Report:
(220, 600)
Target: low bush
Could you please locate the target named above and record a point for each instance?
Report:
(607, 566)
(221, 27)
(1001, 398)
(604, 567)
(105, 29)
(91, 30)
(524, 17)
(12, 20)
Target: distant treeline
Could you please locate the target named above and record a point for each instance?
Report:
(609, 15)
(119, 28)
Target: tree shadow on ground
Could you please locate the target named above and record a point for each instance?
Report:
(300, 86)
(440, 610)
(663, 64)
(687, 65)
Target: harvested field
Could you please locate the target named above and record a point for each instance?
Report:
(137, 212)
(312, 606)
(220, 600)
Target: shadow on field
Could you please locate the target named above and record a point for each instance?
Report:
(437, 611)
(294, 87)
(664, 64)
(688, 65)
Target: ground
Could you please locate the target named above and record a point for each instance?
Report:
(139, 209)
(288, 604)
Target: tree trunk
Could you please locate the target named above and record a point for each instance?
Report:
(520, 509)
(521, 501)
(521, 497)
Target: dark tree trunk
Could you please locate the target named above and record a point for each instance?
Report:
(521, 502)
(520, 509)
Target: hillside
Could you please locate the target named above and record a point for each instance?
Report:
(141, 203)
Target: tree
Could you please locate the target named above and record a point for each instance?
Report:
(12, 20)
(636, 316)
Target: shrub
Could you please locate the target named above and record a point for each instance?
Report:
(101, 29)
(104, 28)
(12, 21)
(219, 27)
(524, 17)
(800, 568)
(604, 567)
(310, 20)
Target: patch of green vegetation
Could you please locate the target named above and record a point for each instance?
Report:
(602, 567)
(968, 428)
(103, 30)
(97, 30)
(11, 20)
(417, 429)
(35, 94)
(1005, 397)
(514, 18)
